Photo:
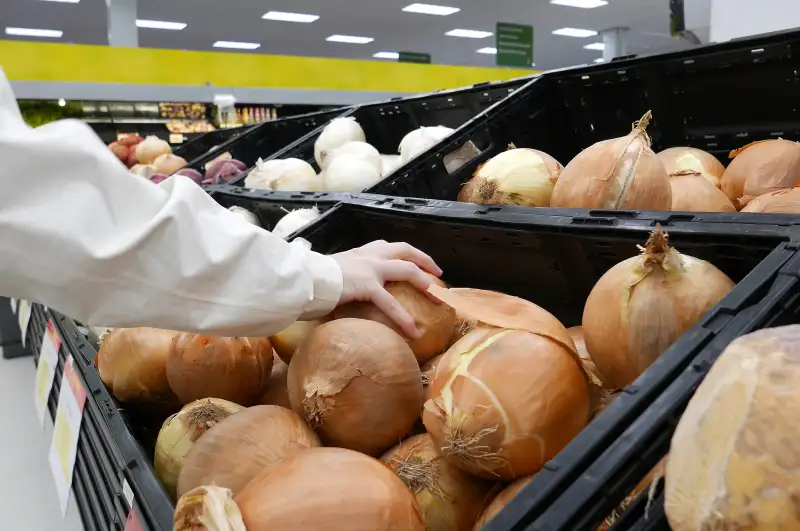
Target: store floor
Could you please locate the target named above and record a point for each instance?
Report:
(28, 498)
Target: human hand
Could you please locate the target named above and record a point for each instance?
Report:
(366, 269)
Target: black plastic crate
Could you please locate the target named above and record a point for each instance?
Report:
(203, 144)
(709, 97)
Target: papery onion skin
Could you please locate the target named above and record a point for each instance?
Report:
(277, 391)
(780, 202)
(237, 449)
(338, 132)
(428, 370)
(678, 159)
(329, 489)
(287, 340)
(295, 220)
(643, 304)
(597, 393)
(207, 508)
(501, 501)
(645, 485)
(761, 167)
(168, 163)
(357, 383)
(231, 368)
(449, 499)
(692, 192)
(617, 174)
(150, 148)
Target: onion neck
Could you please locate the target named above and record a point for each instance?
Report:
(658, 252)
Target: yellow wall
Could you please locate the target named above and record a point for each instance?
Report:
(33, 61)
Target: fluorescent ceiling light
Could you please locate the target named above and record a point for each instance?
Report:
(29, 32)
(429, 9)
(64, 1)
(236, 45)
(575, 32)
(469, 34)
(583, 4)
(350, 39)
(386, 55)
(488, 50)
(160, 24)
(595, 46)
(600, 60)
(290, 17)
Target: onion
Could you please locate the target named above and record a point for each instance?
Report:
(350, 173)
(277, 391)
(780, 202)
(207, 508)
(181, 430)
(761, 167)
(130, 140)
(132, 160)
(143, 170)
(290, 175)
(192, 174)
(692, 192)
(389, 163)
(295, 220)
(158, 178)
(428, 370)
(150, 148)
(617, 174)
(420, 140)
(337, 133)
(246, 214)
(599, 394)
(357, 383)
(168, 163)
(500, 502)
(449, 499)
(359, 149)
(223, 171)
(733, 460)
(243, 445)
(132, 362)
(678, 159)
(287, 340)
(435, 322)
(122, 152)
(646, 484)
(329, 488)
(643, 304)
(231, 368)
(522, 177)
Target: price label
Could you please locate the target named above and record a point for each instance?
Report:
(175, 138)
(67, 428)
(46, 369)
(24, 317)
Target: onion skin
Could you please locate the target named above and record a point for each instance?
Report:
(645, 484)
(599, 395)
(231, 368)
(287, 340)
(761, 167)
(130, 140)
(428, 370)
(643, 304)
(277, 392)
(435, 322)
(150, 148)
(121, 151)
(692, 192)
(329, 489)
(357, 383)
(237, 449)
(618, 174)
(501, 501)
(780, 202)
(207, 508)
(449, 499)
(168, 163)
(678, 159)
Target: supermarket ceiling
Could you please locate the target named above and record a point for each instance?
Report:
(392, 29)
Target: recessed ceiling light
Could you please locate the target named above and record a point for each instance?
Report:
(160, 24)
(488, 50)
(29, 32)
(386, 55)
(583, 4)
(595, 46)
(575, 32)
(350, 39)
(429, 9)
(290, 17)
(599, 60)
(236, 45)
(469, 34)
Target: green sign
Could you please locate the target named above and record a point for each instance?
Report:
(514, 45)
(414, 57)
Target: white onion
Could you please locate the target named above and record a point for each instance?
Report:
(295, 220)
(359, 149)
(143, 170)
(421, 139)
(289, 175)
(350, 173)
(337, 133)
(246, 214)
(389, 163)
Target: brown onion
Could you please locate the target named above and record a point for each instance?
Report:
(130, 140)
(277, 391)
(645, 485)
(150, 148)
(237, 449)
(448, 498)
(780, 202)
(357, 383)
(327, 489)
(692, 192)
(207, 508)
(761, 167)
(122, 152)
(678, 159)
(287, 340)
(179, 433)
(598, 393)
(428, 370)
(618, 174)
(132, 362)
(168, 163)
(435, 322)
(644, 304)
(231, 368)
(500, 501)
(733, 460)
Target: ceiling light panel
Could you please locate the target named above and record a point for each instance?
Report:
(430, 9)
(30, 32)
(575, 32)
(583, 4)
(290, 17)
(64, 1)
(595, 46)
(488, 50)
(469, 34)
(160, 24)
(349, 39)
(600, 60)
(386, 55)
(237, 45)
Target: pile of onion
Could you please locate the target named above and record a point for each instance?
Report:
(132, 363)
(678, 159)
(149, 149)
(449, 499)
(693, 192)
(780, 202)
(231, 368)
(125, 149)
(207, 508)
(493, 412)
(618, 174)
(337, 133)
(329, 488)
(761, 167)
(167, 164)
(420, 140)
(181, 430)
(522, 177)
(435, 322)
(644, 304)
(287, 340)
(277, 393)
(243, 445)
(733, 460)
(357, 383)
(350, 173)
(359, 149)
(295, 220)
(290, 175)
(501, 501)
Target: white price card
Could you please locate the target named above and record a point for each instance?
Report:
(24, 317)
(66, 430)
(13, 305)
(46, 369)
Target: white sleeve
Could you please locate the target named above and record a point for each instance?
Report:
(82, 235)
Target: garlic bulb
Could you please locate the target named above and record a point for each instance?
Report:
(246, 214)
(289, 175)
(421, 139)
(337, 133)
(295, 220)
(350, 173)
(358, 149)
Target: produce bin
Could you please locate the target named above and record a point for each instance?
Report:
(716, 98)
(203, 144)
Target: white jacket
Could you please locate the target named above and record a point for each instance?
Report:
(85, 237)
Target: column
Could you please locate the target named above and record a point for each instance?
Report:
(614, 42)
(122, 30)
(732, 19)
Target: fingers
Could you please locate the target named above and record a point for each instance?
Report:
(402, 271)
(404, 251)
(389, 305)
